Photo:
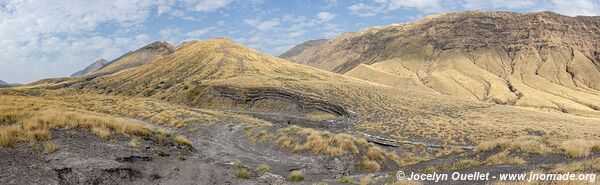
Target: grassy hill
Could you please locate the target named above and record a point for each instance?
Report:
(541, 60)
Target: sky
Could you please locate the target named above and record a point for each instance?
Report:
(55, 38)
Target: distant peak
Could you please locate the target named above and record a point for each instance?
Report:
(160, 47)
(160, 43)
(219, 40)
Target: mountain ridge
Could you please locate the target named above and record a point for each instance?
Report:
(543, 60)
(97, 65)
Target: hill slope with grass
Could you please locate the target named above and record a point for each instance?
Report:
(99, 64)
(211, 102)
(141, 56)
(219, 74)
(542, 60)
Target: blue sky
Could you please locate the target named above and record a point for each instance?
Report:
(42, 39)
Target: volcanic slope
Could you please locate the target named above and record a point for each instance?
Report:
(99, 64)
(148, 53)
(220, 74)
(542, 60)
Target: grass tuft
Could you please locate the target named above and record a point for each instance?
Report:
(50, 148)
(263, 168)
(296, 176)
(242, 173)
(182, 140)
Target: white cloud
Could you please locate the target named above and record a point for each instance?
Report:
(263, 25)
(576, 7)
(364, 10)
(566, 7)
(428, 6)
(200, 32)
(325, 16)
(206, 5)
(55, 38)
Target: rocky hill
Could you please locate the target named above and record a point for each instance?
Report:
(301, 47)
(543, 60)
(99, 64)
(138, 57)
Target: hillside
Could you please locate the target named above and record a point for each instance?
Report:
(141, 56)
(217, 109)
(219, 74)
(138, 57)
(99, 64)
(300, 48)
(543, 60)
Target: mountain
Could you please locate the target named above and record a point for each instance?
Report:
(300, 48)
(225, 102)
(218, 73)
(138, 57)
(542, 60)
(148, 53)
(4, 84)
(99, 64)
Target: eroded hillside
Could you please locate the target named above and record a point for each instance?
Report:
(542, 60)
(217, 110)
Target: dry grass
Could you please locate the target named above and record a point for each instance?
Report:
(407, 182)
(102, 132)
(242, 173)
(263, 168)
(366, 180)
(31, 119)
(182, 140)
(588, 165)
(375, 153)
(579, 147)
(462, 164)
(296, 176)
(504, 158)
(319, 142)
(527, 144)
(346, 180)
(134, 143)
(50, 148)
(371, 166)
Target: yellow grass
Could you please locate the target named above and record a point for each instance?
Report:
(36, 117)
(463, 163)
(50, 148)
(588, 165)
(366, 180)
(526, 144)
(263, 168)
(134, 143)
(579, 147)
(182, 140)
(371, 166)
(296, 176)
(242, 173)
(504, 158)
(319, 142)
